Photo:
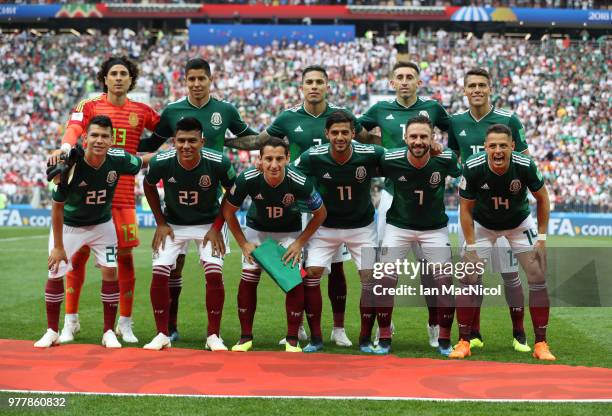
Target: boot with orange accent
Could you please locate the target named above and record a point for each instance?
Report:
(542, 352)
(461, 350)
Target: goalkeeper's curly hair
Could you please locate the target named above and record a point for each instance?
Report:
(118, 60)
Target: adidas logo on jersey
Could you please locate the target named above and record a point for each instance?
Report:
(402, 179)
(485, 186)
(327, 175)
(298, 129)
(463, 133)
(259, 196)
(172, 180)
(390, 117)
(83, 183)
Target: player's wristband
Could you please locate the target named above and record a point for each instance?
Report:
(541, 237)
(218, 224)
(470, 247)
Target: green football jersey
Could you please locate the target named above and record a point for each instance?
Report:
(216, 117)
(87, 200)
(274, 209)
(391, 117)
(191, 195)
(467, 135)
(345, 189)
(304, 130)
(418, 201)
(501, 200)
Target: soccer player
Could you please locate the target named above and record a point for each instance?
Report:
(494, 203)
(466, 137)
(275, 192)
(191, 177)
(304, 126)
(117, 76)
(216, 117)
(342, 171)
(417, 214)
(391, 116)
(81, 216)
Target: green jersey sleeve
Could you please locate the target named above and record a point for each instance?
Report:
(443, 119)
(227, 174)
(154, 173)
(239, 191)
(303, 163)
(518, 134)
(452, 140)
(60, 194)
(129, 164)
(535, 180)
(368, 119)
(276, 129)
(237, 125)
(164, 128)
(467, 186)
(454, 168)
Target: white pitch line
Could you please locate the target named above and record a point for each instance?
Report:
(32, 237)
(222, 396)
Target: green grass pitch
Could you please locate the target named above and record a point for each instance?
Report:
(578, 336)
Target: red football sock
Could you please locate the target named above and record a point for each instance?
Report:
(446, 306)
(539, 307)
(54, 294)
(465, 313)
(477, 299)
(427, 281)
(75, 279)
(247, 300)
(215, 296)
(294, 306)
(110, 303)
(384, 306)
(175, 285)
(513, 291)
(367, 310)
(127, 283)
(313, 304)
(336, 291)
(160, 298)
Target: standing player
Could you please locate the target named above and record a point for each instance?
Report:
(417, 215)
(391, 116)
(342, 171)
(304, 126)
(466, 137)
(275, 192)
(493, 204)
(191, 177)
(117, 76)
(216, 117)
(81, 216)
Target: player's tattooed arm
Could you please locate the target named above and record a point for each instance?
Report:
(366, 137)
(163, 230)
(58, 253)
(251, 142)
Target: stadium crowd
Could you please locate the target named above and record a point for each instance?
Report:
(559, 89)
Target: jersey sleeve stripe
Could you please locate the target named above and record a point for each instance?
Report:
(296, 178)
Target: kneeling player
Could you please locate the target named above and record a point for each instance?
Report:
(494, 204)
(81, 216)
(273, 214)
(191, 177)
(417, 215)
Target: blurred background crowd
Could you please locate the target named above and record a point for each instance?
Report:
(560, 89)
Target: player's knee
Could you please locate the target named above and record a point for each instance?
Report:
(511, 279)
(314, 272)
(178, 268)
(124, 251)
(109, 274)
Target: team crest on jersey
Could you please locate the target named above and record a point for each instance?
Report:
(424, 113)
(515, 186)
(435, 179)
(216, 120)
(288, 200)
(204, 181)
(133, 119)
(111, 177)
(361, 173)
